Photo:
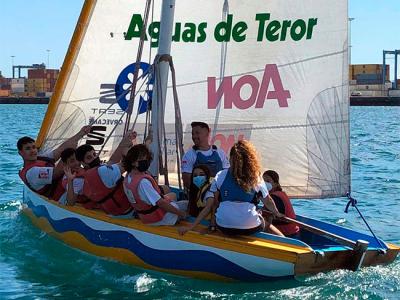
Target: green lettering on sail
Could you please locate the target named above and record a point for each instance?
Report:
(280, 30)
(228, 30)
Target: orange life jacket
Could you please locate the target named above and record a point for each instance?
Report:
(40, 162)
(147, 213)
(113, 201)
(286, 228)
(86, 203)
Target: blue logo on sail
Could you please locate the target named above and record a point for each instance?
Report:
(144, 86)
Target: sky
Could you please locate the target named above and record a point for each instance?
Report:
(28, 28)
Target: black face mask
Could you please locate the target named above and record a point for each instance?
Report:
(95, 162)
(143, 165)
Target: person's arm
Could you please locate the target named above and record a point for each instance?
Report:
(165, 205)
(71, 142)
(188, 161)
(270, 205)
(186, 180)
(123, 147)
(71, 196)
(204, 213)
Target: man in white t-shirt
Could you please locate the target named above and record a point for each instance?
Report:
(202, 153)
(40, 172)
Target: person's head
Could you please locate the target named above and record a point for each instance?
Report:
(68, 157)
(87, 156)
(200, 134)
(27, 148)
(245, 165)
(200, 176)
(272, 178)
(138, 158)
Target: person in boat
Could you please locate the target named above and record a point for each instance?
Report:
(201, 200)
(72, 182)
(282, 202)
(199, 186)
(237, 191)
(202, 153)
(102, 184)
(40, 172)
(142, 190)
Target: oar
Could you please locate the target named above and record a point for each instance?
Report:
(337, 238)
(359, 247)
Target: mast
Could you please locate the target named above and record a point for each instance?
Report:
(160, 84)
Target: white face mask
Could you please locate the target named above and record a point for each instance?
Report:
(199, 181)
(268, 185)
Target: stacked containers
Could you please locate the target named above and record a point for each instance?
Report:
(42, 81)
(18, 86)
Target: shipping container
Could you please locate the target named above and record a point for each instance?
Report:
(5, 93)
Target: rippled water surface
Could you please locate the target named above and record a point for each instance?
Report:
(36, 266)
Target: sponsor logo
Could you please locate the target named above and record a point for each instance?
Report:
(231, 91)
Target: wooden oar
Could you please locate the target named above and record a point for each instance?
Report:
(337, 238)
(359, 247)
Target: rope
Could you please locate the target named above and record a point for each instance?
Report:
(224, 51)
(178, 120)
(137, 64)
(353, 203)
(178, 124)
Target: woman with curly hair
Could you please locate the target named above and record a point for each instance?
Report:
(238, 189)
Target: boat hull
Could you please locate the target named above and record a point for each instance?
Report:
(196, 255)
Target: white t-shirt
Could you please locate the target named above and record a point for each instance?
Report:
(77, 184)
(38, 177)
(190, 157)
(146, 192)
(240, 215)
(109, 175)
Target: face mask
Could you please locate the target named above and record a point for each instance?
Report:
(199, 181)
(95, 162)
(143, 165)
(268, 185)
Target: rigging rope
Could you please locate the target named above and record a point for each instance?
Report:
(224, 51)
(353, 203)
(137, 64)
(163, 161)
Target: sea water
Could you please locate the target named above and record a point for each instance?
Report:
(36, 266)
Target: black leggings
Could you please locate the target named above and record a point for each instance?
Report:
(236, 231)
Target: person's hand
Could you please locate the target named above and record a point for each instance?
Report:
(278, 215)
(183, 229)
(149, 137)
(85, 130)
(183, 214)
(131, 135)
(68, 173)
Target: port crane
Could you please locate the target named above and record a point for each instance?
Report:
(19, 67)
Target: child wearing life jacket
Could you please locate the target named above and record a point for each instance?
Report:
(40, 173)
(73, 181)
(201, 200)
(145, 195)
(282, 203)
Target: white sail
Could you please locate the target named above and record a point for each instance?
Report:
(273, 72)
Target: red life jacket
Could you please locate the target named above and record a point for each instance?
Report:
(40, 162)
(113, 201)
(86, 203)
(148, 214)
(286, 228)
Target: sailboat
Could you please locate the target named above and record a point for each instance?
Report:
(272, 72)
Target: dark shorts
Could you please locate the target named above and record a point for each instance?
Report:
(236, 231)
